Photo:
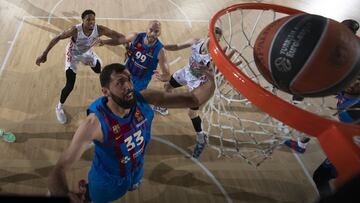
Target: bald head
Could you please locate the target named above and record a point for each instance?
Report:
(153, 32)
(155, 23)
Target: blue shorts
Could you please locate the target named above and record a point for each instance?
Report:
(104, 187)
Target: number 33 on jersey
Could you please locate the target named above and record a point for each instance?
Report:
(135, 140)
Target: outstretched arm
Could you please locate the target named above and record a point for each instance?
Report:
(176, 47)
(87, 131)
(66, 34)
(116, 38)
(165, 73)
(192, 99)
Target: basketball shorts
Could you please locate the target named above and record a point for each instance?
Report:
(184, 77)
(104, 187)
(72, 60)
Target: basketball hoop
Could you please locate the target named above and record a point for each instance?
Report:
(253, 137)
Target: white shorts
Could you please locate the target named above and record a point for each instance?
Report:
(72, 60)
(184, 77)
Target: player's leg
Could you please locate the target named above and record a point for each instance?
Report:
(97, 67)
(322, 175)
(71, 62)
(201, 137)
(299, 145)
(65, 92)
(90, 58)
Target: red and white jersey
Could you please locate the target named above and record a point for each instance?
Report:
(197, 58)
(83, 42)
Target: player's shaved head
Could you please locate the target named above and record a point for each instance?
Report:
(153, 31)
(155, 23)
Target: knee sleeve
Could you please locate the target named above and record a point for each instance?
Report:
(97, 68)
(197, 124)
(173, 82)
(69, 86)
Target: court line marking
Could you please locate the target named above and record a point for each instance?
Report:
(53, 9)
(206, 170)
(182, 12)
(12, 45)
(306, 172)
(134, 19)
(175, 61)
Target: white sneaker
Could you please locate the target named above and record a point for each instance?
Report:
(161, 110)
(202, 138)
(60, 115)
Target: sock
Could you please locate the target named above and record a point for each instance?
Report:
(302, 142)
(59, 106)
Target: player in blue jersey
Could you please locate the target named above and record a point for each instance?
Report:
(119, 124)
(144, 53)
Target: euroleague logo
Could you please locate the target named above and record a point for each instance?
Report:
(290, 47)
(282, 64)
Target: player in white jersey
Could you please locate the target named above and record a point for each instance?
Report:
(83, 37)
(192, 75)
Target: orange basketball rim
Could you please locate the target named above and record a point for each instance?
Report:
(339, 141)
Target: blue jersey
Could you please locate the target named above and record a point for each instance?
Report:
(348, 107)
(125, 139)
(142, 61)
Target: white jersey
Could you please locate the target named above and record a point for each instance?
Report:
(197, 58)
(80, 50)
(191, 75)
(83, 42)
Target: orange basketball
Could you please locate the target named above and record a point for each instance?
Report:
(308, 55)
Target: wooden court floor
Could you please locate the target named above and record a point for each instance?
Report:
(29, 94)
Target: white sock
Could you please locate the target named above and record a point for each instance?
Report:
(301, 144)
(60, 105)
(201, 137)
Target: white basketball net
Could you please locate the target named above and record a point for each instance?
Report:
(239, 128)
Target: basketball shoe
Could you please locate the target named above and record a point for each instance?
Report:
(60, 114)
(201, 141)
(297, 99)
(161, 110)
(7, 136)
(135, 186)
(299, 145)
